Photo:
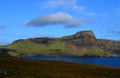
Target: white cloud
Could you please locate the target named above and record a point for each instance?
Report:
(58, 18)
(55, 19)
(64, 4)
(67, 5)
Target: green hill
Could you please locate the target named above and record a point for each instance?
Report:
(82, 43)
(55, 48)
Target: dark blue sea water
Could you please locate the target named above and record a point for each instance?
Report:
(104, 61)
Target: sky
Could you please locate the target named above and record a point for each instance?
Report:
(22, 19)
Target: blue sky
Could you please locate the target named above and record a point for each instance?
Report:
(21, 19)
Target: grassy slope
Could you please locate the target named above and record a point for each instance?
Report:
(23, 68)
(55, 48)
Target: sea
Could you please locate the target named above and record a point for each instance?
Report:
(102, 61)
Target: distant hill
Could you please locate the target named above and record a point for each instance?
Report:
(83, 43)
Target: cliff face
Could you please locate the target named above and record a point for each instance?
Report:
(80, 44)
(82, 39)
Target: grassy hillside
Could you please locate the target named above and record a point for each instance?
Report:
(55, 48)
(23, 68)
(27, 47)
(80, 44)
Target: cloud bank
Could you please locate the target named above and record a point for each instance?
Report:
(56, 19)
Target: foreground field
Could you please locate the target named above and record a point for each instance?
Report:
(22, 68)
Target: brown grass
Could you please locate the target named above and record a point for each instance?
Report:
(24, 68)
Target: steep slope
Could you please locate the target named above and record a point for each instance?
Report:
(110, 46)
(87, 42)
(82, 39)
(82, 43)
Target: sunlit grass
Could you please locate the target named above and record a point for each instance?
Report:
(56, 48)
